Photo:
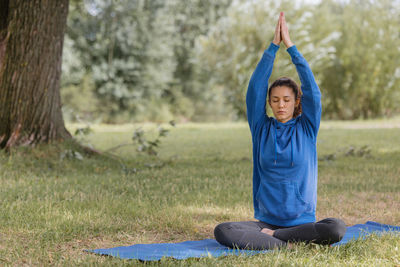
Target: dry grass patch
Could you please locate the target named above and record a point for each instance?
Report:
(359, 207)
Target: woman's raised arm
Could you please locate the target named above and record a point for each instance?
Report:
(311, 98)
(258, 85)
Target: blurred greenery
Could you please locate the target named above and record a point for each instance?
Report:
(138, 56)
(159, 60)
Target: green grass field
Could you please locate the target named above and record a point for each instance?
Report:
(52, 209)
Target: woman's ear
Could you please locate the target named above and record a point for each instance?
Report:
(297, 102)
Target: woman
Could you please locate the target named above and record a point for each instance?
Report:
(284, 159)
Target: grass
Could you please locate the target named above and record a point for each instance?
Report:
(53, 209)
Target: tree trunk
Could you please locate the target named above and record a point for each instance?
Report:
(31, 41)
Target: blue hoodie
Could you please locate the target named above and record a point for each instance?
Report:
(284, 154)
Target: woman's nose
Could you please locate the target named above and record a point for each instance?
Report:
(281, 104)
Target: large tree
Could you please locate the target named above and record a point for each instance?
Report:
(31, 42)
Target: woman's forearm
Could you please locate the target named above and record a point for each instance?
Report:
(258, 86)
(311, 99)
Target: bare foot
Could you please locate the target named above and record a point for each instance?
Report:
(268, 231)
(271, 233)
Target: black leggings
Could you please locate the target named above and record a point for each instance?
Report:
(248, 235)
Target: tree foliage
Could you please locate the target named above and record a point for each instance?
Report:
(138, 53)
(159, 60)
(124, 45)
(363, 78)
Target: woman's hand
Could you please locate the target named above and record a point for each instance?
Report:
(284, 31)
(277, 37)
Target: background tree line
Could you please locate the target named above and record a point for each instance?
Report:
(158, 60)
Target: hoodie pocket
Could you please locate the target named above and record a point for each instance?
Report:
(281, 200)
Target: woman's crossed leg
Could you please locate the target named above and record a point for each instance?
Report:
(250, 234)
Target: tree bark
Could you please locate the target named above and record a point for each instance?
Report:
(31, 41)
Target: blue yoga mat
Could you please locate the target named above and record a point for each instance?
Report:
(210, 247)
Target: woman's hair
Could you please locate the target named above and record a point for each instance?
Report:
(285, 81)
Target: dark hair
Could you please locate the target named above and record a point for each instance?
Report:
(285, 81)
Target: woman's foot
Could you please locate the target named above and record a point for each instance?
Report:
(271, 233)
(268, 231)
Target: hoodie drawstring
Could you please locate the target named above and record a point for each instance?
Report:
(291, 142)
(276, 143)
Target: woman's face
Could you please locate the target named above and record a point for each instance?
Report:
(282, 101)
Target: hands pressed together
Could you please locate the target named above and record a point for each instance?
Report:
(282, 32)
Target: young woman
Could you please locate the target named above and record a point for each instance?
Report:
(284, 159)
